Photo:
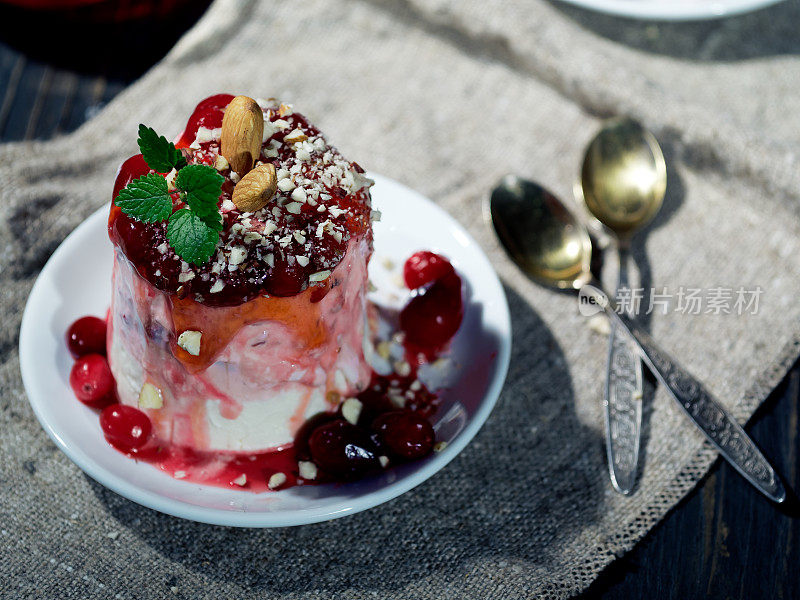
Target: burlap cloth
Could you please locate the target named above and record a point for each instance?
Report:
(446, 97)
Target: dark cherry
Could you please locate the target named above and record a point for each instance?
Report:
(286, 279)
(87, 335)
(91, 380)
(124, 426)
(432, 317)
(405, 434)
(131, 169)
(301, 438)
(425, 267)
(342, 450)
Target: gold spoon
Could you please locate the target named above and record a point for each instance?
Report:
(553, 247)
(623, 180)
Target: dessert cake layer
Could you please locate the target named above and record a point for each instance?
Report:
(235, 353)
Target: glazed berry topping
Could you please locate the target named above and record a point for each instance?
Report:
(124, 426)
(425, 267)
(87, 335)
(207, 114)
(432, 317)
(291, 244)
(405, 434)
(342, 450)
(91, 380)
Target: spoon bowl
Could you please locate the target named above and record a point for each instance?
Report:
(540, 234)
(553, 247)
(624, 176)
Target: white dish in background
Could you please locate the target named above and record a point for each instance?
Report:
(673, 10)
(76, 281)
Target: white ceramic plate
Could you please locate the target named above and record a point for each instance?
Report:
(673, 10)
(76, 281)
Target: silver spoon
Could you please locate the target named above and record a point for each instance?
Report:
(623, 181)
(553, 247)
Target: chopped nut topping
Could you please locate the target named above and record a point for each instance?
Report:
(319, 276)
(307, 469)
(351, 410)
(276, 481)
(295, 136)
(286, 185)
(221, 163)
(238, 254)
(150, 397)
(190, 341)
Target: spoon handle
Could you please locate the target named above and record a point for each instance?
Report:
(623, 400)
(710, 417)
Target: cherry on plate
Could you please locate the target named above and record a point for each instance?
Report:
(91, 380)
(87, 335)
(433, 317)
(342, 449)
(125, 426)
(405, 434)
(424, 267)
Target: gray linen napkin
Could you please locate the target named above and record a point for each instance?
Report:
(446, 97)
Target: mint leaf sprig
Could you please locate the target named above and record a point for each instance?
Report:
(193, 231)
(159, 154)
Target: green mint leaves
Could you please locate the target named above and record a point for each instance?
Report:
(193, 232)
(202, 185)
(159, 154)
(192, 238)
(146, 199)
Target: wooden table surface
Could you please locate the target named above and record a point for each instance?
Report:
(722, 541)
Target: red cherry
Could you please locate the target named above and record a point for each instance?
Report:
(133, 168)
(342, 449)
(91, 380)
(87, 335)
(207, 114)
(425, 267)
(285, 279)
(406, 434)
(125, 426)
(433, 317)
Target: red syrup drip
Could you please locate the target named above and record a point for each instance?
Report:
(386, 426)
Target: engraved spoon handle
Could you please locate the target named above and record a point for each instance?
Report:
(710, 417)
(623, 399)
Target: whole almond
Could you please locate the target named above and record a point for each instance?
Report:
(242, 130)
(256, 188)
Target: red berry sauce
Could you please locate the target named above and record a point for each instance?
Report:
(284, 277)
